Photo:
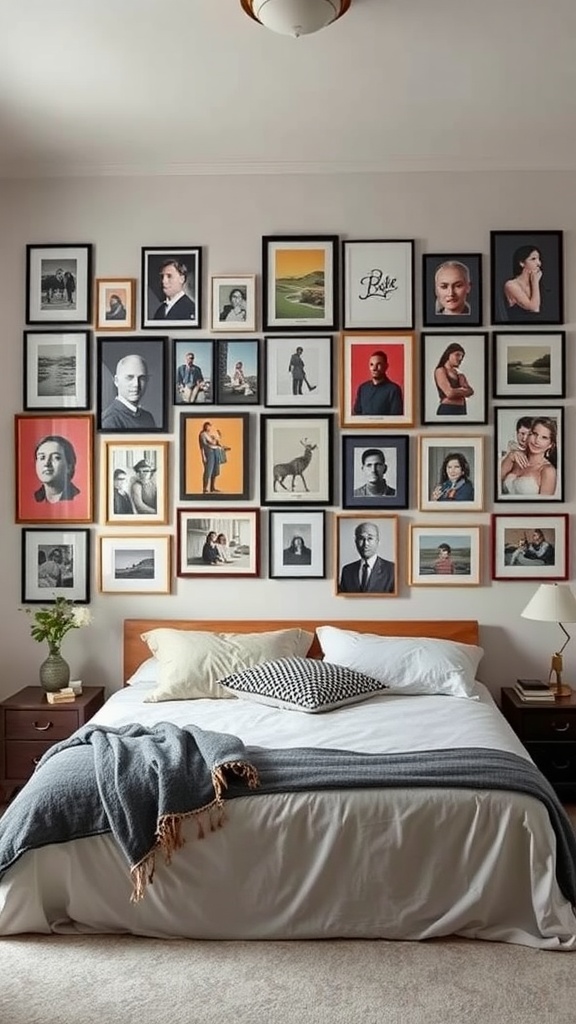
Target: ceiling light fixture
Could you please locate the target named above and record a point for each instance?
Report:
(295, 17)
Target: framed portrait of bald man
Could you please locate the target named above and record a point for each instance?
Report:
(452, 289)
(375, 471)
(131, 385)
(366, 555)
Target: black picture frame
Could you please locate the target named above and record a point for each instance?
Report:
(509, 421)
(202, 391)
(463, 271)
(149, 355)
(297, 544)
(395, 449)
(231, 471)
(59, 283)
(237, 371)
(305, 263)
(152, 296)
(46, 578)
(529, 364)
(446, 349)
(509, 250)
(57, 369)
(307, 477)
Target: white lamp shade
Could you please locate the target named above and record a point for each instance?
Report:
(295, 17)
(552, 602)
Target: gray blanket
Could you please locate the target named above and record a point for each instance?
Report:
(139, 784)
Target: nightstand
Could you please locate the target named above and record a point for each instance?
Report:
(548, 731)
(29, 725)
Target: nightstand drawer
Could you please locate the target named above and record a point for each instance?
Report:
(23, 756)
(40, 724)
(557, 761)
(549, 724)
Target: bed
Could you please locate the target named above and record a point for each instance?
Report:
(392, 862)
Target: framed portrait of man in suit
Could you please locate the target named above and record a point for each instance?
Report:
(366, 555)
(171, 287)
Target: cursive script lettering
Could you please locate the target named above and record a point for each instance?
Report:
(378, 285)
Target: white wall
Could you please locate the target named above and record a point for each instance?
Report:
(228, 216)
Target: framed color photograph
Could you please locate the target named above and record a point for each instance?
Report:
(527, 277)
(214, 456)
(171, 287)
(135, 483)
(300, 282)
(297, 545)
(193, 372)
(57, 370)
(452, 290)
(135, 565)
(454, 378)
(296, 460)
(298, 371)
(131, 385)
(528, 453)
(54, 468)
(378, 284)
(377, 380)
(58, 284)
(451, 473)
(55, 563)
(221, 542)
(444, 556)
(375, 471)
(530, 547)
(529, 364)
(115, 307)
(234, 302)
(238, 372)
(366, 555)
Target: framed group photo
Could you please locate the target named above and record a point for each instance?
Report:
(214, 456)
(131, 385)
(238, 372)
(171, 288)
(115, 305)
(452, 289)
(444, 556)
(454, 378)
(375, 471)
(233, 303)
(451, 473)
(296, 459)
(377, 379)
(135, 483)
(193, 373)
(221, 542)
(58, 284)
(529, 364)
(56, 370)
(135, 565)
(55, 563)
(366, 555)
(297, 544)
(298, 371)
(527, 277)
(54, 468)
(528, 453)
(300, 282)
(530, 547)
(378, 284)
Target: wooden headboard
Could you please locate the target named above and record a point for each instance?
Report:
(463, 631)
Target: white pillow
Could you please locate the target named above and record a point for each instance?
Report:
(192, 662)
(147, 673)
(405, 664)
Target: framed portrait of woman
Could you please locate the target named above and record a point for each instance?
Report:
(297, 546)
(220, 542)
(452, 290)
(528, 453)
(238, 371)
(454, 375)
(530, 547)
(234, 303)
(527, 277)
(214, 456)
(451, 473)
(54, 468)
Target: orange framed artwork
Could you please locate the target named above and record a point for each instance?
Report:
(54, 469)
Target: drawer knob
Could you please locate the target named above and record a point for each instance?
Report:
(561, 767)
(35, 760)
(561, 728)
(42, 728)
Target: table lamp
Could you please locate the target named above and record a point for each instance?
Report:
(554, 602)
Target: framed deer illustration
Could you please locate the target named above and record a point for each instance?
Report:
(296, 465)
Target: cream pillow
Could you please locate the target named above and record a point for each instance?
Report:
(191, 662)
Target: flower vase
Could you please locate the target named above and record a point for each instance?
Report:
(54, 672)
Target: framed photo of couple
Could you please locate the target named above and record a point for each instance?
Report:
(530, 547)
(135, 483)
(220, 543)
(58, 284)
(529, 453)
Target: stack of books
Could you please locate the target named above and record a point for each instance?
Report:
(64, 696)
(534, 691)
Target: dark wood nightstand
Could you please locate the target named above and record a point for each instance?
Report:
(548, 731)
(29, 725)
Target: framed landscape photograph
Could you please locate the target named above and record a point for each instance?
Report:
(55, 563)
(135, 483)
(366, 555)
(375, 471)
(300, 282)
(221, 542)
(378, 284)
(131, 385)
(54, 468)
(530, 547)
(445, 556)
(527, 277)
(115, 307)
(451, 473)
(452, 290)
(171, 288)
(528, 453)
(238, 372)
(296, 460)
(377, 379)
(529, 364)
(193, 372)
(297, 545)
(58, 284)
(233, 302)
(454, 379)
(57, 370)
(298, 371)
(214, 456)
(135, 565)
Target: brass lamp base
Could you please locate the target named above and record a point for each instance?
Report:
(559, 689)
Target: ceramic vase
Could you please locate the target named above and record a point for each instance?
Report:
(54, 672)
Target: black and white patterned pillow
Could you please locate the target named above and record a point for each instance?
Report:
(302, 684)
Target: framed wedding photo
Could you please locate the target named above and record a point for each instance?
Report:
(54, 468)
(375, 471)
(452, 290)
(378, 284)
(115, 306)
(238, 372)
(58, 284)
(377, 379)
(193, 372)
(131, 385)
(528, 453)
(454, 379)
(298, 371)
(444, 556)
(366, 555)
(527, 277)
(56, 370)
(55, 563)
(135, 565)
(220, 543)
(233, 303)
(530, 547)
(214, 456)
(451, 473)
(300, 282)
(171, 288)
(529, 364)
(135, 483)
(297, 545)
(296, 460)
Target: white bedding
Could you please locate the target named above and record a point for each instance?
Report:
(394, 864)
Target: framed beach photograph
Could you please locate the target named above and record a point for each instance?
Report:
(452, 290)
(527, 277)
(366, 561)
(444, 556)
(57, 370)
(55, 563)
(528, 453)
(135, 483)
(530, 547)
(220, 543)
(54, 468)
(214, 456)
(131, 385)
(193, 372)
(115, 305)
(296, 459)
(233, 302)
(58, 284)
(300, 282)
(171, 288)
(377, 379)
(298, 371)
(454, 379)
(297, 545)
(238, 372)
(529, 364)
(378, 284)
(451, 473)
(375, 471)
(135, 565)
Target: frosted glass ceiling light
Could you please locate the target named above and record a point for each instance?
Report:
(295, 17)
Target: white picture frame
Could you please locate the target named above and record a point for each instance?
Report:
(378, 284)
(135, 565)
(233, 303)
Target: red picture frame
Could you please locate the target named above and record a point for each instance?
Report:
(54, 468)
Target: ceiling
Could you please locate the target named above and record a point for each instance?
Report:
(195, 86)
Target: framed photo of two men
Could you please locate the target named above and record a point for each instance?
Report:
(172, 287)
(58, 284)
(377, 379)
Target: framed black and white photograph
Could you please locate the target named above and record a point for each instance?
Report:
(57, 370)
(452, 290)
(214, 456)
(298, 371)
(55, 563)
(454, 378)
(300, 282)
(445, 556)
(238, 372)
(451, 473)
(135, 483)
(297, 545)
(378, 284)
(296, 460)
(135, 565)
(527, 277)
(58, 284)
(193, 372)
(131, 385)
(233, 302)
(171, 287)
(219, 543)
(530, 547)
(375, 471)
(115, 304)
(528, 453)
(366, 562)
(529, 364)
(377, 379)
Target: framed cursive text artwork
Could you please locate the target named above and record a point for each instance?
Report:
(378, 284)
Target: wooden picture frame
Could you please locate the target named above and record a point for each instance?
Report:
(238, 371)
(452, 290)
(528, 453)
(57, 370)
(378, 284)
(451, 473)
(375, 471)
(131, 376)
(233, 302)
(222, 542)
(444, 556)
(180, 267)
(54, 468)
(527, 277)
(134, 486)
(55, 563)
(59, 284)
(298, 371)
(529, 364)
(376, 537)
(300, 282)
(530, 547)
(454, 379)
(214, 456)
(115, 304)
(297, 544)
(135, 565)
(377, 379)
(296, 459)
(193, 371)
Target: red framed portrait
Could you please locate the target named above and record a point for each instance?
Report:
(392, 403)
(54, 469)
